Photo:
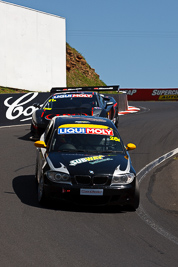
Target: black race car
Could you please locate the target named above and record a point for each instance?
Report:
(83, 159)
(74, 101)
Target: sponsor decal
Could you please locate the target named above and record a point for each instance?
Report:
(130, 92)
(84, 129)
(62, 168)
(91, 192)
(50, 116)
(82, 95)
(98, 161)
(118, 171)
(73, 95)
(88, 125)
(16, 109)
(112, 138)
(62, 96)
(165, 92)
(98, 120)
(78, 130)
(86, 159)
(168, 97)
(104, 88)
(81, 122)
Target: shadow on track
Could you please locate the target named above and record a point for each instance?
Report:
(25, 188)
(25, 137)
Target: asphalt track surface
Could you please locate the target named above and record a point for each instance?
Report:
(67, 235)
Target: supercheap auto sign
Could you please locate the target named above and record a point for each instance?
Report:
(169, 94)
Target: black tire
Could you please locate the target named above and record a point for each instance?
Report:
(34, 134)
(134, 204)
(136, 200)
(32, 129)
(117, 122)
(42, 199)
(36, 173)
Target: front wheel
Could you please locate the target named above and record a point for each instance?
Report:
(136, 200)
(117, 122)
(41, 192)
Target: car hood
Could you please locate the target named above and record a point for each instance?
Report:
(84, 164)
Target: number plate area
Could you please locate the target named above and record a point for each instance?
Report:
(91, 192)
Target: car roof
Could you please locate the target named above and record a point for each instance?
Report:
(74, 92)
(82, 119)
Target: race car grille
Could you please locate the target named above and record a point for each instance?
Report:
(87, 180)
(83, 179)
(100, 180)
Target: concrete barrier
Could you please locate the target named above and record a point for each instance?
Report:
(17, 109)
(121, 99)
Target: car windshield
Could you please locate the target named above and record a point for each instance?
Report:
(87, 142)
(76, 101)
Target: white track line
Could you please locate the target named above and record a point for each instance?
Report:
(10, 126)
(141, 212)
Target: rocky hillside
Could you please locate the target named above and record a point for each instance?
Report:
(79, 72)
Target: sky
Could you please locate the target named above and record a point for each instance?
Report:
(131, 43)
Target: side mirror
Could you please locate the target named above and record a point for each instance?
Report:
(40, 144)
(109, 103)
(130, 146)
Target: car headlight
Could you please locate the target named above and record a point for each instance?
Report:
(59, 177)
(126, 178)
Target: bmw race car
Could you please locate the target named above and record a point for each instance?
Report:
(83, 159)
(74, 101)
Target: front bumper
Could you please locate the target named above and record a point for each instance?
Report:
(119, 195)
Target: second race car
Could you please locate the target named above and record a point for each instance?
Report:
(86, 101)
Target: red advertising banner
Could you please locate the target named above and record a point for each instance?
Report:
(168, 94)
